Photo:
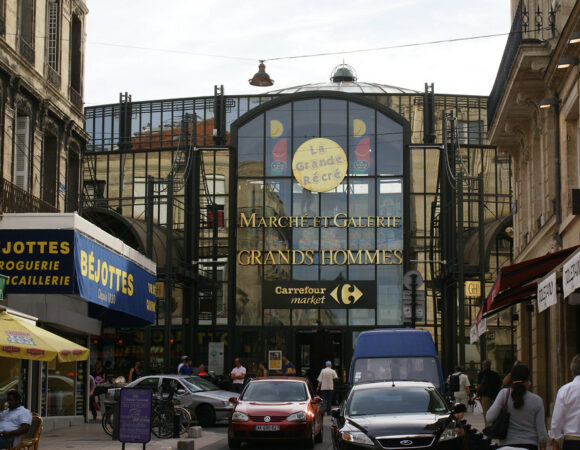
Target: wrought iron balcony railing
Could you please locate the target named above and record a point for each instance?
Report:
(76, 98)
(16, 200)
(53, 77)
(26, 50)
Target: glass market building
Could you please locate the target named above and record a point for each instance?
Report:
(286, 221)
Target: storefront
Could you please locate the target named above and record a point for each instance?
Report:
(71, 278)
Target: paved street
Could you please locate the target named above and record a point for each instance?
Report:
(92, 436)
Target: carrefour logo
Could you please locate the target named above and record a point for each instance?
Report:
(348, 294)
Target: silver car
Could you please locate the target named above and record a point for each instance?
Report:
(208, 403)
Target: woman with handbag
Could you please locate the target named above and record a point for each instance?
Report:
(523, 411)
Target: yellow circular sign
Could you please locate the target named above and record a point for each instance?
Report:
(319, 165)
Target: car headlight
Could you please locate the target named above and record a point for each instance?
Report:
(297, 417)
(450, 432)
(228, 404)
(239, 417)
(356, 437)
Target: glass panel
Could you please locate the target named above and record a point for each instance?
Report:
(251, 148)
(333, 122)
(390, 197)
(61, 383)
(334, 201)
(361, 197)
(362, 238)
(278, 122)
(389, 294)
(305, 317)
(361, 272)
(333, 316)
(361, 317)
(276, 317)
(306, 122)
(361, 139)
(278, 193)
(389, 146)
(10, 377)
(305, 202)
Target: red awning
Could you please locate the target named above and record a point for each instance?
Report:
(517, 282)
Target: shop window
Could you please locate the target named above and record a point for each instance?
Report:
(2, 17)
(10, 377)
(72, 182)
(22, 152)
(76, 63)
(60, 395)
(26, 10)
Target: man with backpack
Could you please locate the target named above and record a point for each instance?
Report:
(488, 385)
(459, 385)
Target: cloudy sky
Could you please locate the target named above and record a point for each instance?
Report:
(182, 48)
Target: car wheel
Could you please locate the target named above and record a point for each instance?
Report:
(312, 440)
(234, 443)
(205, 415)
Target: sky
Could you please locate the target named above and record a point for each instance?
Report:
(183, 48)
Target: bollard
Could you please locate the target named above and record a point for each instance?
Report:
(194, 432)
(186, 444)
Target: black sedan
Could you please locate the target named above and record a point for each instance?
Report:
(395, 415)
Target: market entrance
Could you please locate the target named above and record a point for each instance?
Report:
(315, 347)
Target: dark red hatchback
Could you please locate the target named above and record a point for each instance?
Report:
(277, 409)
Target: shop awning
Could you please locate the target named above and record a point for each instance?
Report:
(22, 339)
(518, 282)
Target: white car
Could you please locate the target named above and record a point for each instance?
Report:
(207, 403)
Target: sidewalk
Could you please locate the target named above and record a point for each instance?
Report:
(92, 436)
(476, 421)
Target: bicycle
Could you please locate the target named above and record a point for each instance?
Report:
(162, 417)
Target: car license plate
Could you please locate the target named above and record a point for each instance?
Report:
(267, 428)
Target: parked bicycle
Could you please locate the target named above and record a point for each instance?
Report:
(162, 417)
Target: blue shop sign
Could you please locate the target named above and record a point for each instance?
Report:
(110, 280)
(67, 262)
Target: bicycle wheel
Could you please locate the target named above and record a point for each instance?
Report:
(108, 420)
(162, 424)
(184, 419)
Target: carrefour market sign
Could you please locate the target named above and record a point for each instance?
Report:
(68, 262)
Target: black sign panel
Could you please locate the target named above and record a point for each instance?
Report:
(319, 294)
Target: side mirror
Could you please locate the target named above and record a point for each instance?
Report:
(335, 412)
(317, 400)
(180, 391)
(459, 408)
(233, 400)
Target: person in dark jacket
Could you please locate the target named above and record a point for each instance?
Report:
(488, 385)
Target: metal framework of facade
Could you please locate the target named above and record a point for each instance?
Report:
(165, 167)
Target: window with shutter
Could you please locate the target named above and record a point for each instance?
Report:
(22, 152)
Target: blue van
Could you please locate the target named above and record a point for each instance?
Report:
(396, 354)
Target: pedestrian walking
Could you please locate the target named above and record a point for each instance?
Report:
(288, 367)
(237, 375)
(326, 385)
(136, 371)
(184, 359)
(262, 371)
(488, 385)
(92, 400)
(527, 426)
(187, 368)
(459, 385)
(566, 415)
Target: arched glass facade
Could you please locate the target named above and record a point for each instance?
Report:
(294, 224)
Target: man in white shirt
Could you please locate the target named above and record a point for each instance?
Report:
(237, 375)
(566, 414)
(14, 421)
(326, 385)
(462, 395)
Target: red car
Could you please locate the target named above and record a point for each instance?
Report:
(276, 409)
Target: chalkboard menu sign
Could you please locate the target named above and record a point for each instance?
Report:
(134, 418)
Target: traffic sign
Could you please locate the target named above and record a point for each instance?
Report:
(419, 310)
(419, 295)
(412, 277)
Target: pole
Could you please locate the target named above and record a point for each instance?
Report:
(481, 236)
(149, 250)
(168, 278)
(413, 299)
(460, 270)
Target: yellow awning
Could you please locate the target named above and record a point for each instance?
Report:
(23, 340)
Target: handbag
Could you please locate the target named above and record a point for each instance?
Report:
(499, 427)
(477, 408)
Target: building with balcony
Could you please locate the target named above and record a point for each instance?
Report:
(533, 117)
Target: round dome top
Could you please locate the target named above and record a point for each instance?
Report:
(343, 72)
(344, 79)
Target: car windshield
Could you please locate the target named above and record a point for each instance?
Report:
(396, 400)
(398, 369)
(275, 391)
(197, 384)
